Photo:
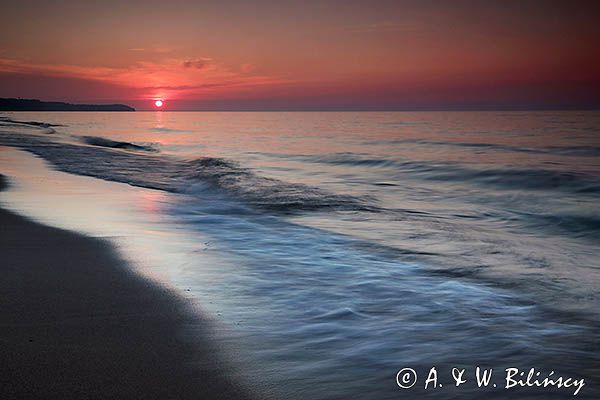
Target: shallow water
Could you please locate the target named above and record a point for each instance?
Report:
(338, 248)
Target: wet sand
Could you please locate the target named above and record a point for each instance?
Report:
(76, 323)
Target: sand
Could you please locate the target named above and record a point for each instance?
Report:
(76, 323)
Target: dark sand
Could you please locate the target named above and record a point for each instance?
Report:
(76, 324)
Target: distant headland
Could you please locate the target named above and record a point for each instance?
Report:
(38, 105)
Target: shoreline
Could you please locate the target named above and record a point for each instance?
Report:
(77, 323)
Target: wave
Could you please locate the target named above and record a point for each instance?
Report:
(46, 127)
(265, 192)
(105, 160)
(169, 130)
(582, 151)
(103, 142)
(506, 177)
(29, 123)
(579, 226)
(522, 179)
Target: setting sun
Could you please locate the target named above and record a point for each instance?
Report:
(158, 103)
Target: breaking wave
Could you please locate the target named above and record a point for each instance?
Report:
(104, 160)
(103, 142)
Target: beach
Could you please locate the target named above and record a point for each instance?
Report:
(77, 323)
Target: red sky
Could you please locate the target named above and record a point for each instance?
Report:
(271, 55)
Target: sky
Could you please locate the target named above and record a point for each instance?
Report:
(304, 55)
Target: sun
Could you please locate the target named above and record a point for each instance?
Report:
(158, 103)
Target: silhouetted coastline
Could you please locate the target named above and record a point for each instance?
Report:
(11, 104)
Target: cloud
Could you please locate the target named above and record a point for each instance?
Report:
(189, 87)
(170, 78)
(198, 63)
(152, 50)
(246, 68)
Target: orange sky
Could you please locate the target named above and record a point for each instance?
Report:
(303, 54)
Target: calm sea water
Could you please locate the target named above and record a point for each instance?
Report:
(356, 244)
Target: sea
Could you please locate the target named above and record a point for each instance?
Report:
(332, 250)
